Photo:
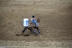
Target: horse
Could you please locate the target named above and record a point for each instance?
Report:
(32, 27)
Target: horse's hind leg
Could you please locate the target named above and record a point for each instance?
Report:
(24, 29)
(30, 28)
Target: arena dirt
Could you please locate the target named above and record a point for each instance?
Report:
(55, 16)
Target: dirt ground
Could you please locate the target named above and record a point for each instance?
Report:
(55, 25)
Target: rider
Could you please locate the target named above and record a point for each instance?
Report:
(35, 22)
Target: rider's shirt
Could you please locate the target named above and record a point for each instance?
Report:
(35, 22)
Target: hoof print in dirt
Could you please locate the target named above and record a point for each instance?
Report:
(17, 34)
(27, 35)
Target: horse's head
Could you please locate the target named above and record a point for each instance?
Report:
(38, 20)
